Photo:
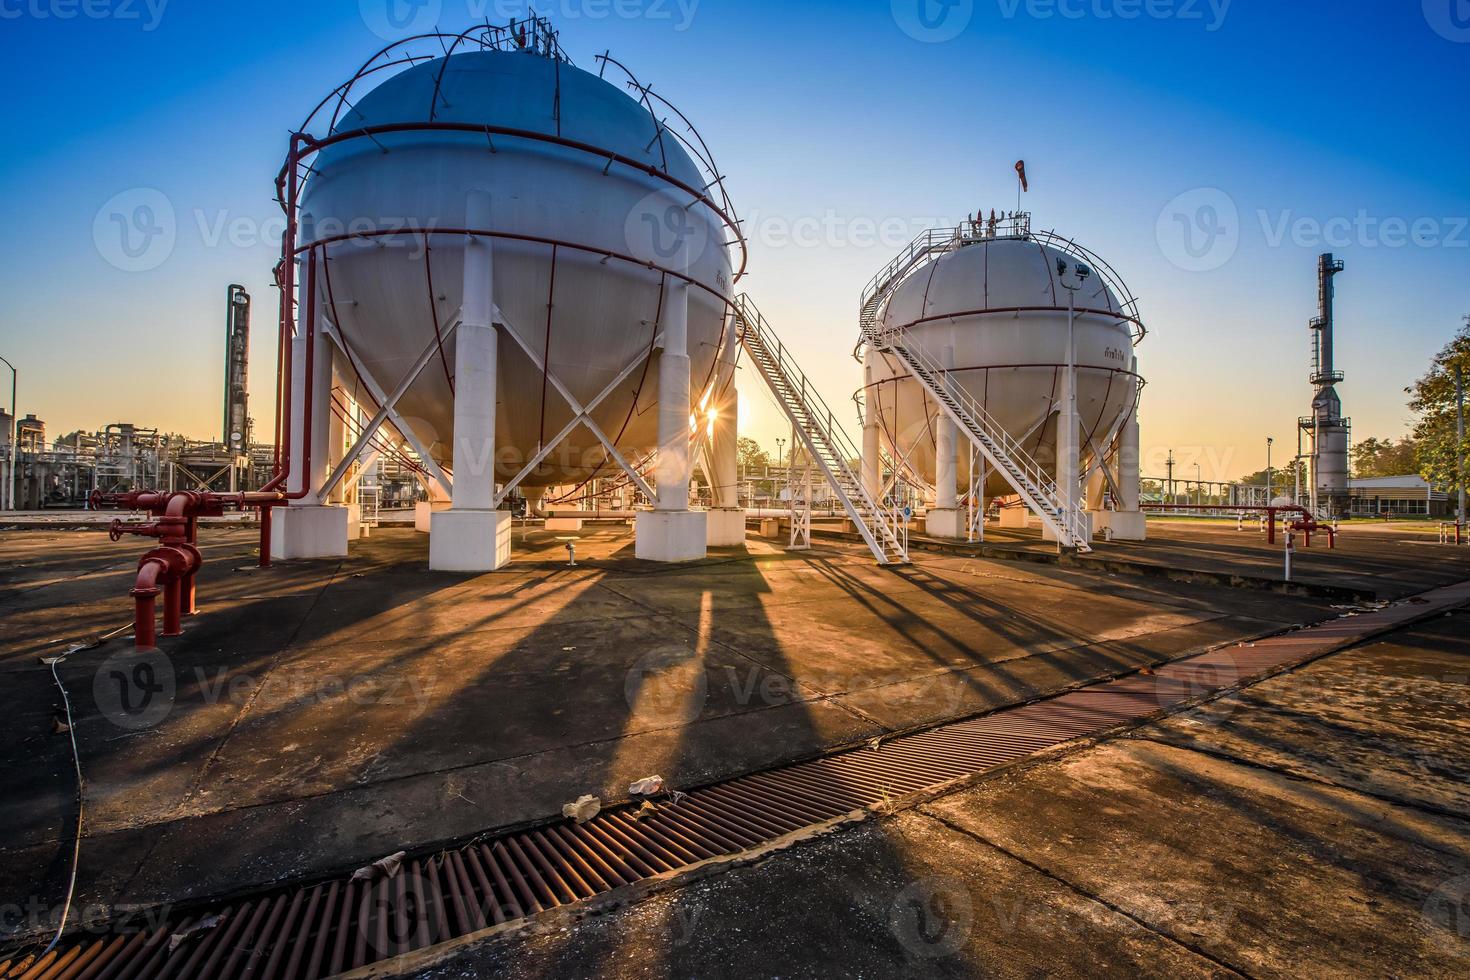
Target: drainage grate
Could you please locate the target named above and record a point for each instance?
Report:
(302, 933)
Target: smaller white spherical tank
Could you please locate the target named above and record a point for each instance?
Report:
(996, 310)
(566, 218)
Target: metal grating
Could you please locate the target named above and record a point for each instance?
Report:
(322, 929)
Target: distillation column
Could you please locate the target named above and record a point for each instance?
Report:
(671, 531)
(472, 536)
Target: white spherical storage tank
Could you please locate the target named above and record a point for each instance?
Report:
(585, 200)
(521, 269)
(992, 308)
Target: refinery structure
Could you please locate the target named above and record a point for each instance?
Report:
(499, 651)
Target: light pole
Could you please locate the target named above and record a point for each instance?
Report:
(1459, 443)
(1269, 440)
(1068, 428)
(9, 489)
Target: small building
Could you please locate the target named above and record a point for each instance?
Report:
(1409, 495)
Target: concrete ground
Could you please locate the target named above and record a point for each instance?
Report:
(1315, 824)
(1372, 559)
(319, 715)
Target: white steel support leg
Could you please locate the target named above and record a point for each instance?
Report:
(307, 528)
(872, 432)
(472, 536)
(944, 519)
(1127, 521)
(671, 532)
(726, 520)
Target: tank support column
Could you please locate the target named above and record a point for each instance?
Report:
(872, 444)
(1127, 521)
(726, 520)
(944, 519)
(309, 528)
(472, 536)
(671, 531)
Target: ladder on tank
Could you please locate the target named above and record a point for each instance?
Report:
(1067, 521)
(828, 447)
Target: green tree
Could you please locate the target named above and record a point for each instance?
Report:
(1282, 477)
(1432, 399)
(1384, 457)
(750, 453)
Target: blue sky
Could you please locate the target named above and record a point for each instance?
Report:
(1305, 118)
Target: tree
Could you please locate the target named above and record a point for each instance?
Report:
(1282, 477)
(1384, 457)
(1432, 398)
(750, 453)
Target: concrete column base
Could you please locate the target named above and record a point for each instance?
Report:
(725, 527)
(1014, 516)
(309, 532)
(469, 540)
(423, 511)
(354, 521)
(1046, 534)
(1126, 525)
(564, 524)
(770, 527)
(670, 535)
(944, 522)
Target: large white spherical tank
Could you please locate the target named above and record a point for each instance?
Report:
(1002, 308)
(587, 314)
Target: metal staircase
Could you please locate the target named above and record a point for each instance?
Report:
(1066, 520)
(828, 446)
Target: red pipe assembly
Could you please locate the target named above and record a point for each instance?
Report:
(171, 568)
(1301, 519)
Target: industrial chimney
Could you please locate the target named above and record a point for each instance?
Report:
(237, 361)
(1326, 426)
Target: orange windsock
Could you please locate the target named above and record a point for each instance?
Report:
(1021, 173)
